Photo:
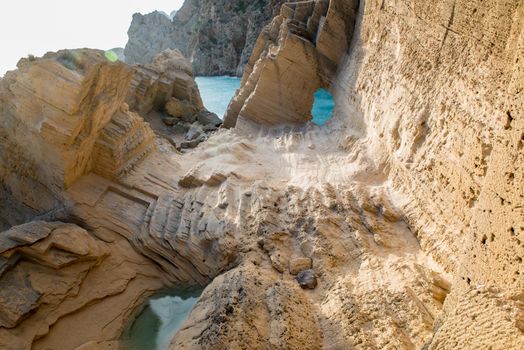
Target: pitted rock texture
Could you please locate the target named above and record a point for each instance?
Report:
(295, 55)
(408, 204)
(217, 36)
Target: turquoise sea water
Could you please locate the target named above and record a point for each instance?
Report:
(157, 323)
(322, 107)
(216, 93)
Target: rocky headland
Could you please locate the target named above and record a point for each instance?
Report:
(397, 225)
(216, 36)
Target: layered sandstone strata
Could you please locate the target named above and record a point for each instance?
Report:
(57, 276)
(406, 209)
(121, 244)
(295, 55)
(217, 37)
(53, 112)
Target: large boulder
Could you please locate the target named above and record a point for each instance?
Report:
(155, 84)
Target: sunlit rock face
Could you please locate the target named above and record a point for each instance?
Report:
(170, 75)
(55, 277)
(397, 225)
(436, 92)
(217, 37)
(295, 55)
(53, 112)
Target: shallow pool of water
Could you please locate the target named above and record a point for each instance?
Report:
(216, 92)
(162, 316)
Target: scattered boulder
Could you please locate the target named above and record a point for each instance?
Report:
(208, 118)
(297, 265)
(194, 132)
(189, 144)
(181, 109)
(307, 279)
(278, 262)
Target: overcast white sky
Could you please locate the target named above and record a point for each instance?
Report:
(37, 26)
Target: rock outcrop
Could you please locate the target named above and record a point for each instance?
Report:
(217, 37)
(166, 94)
(55, 275)
(398, 225)
(295, 55)
(53, 112)
(168, 77)
(149, 35)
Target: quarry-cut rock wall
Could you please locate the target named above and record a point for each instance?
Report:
(397, 225)
(435, 89)
(216, 36)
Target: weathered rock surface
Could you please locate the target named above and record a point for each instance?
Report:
(149, 35)
(53, 112)
(409, 204)
(55, 275)
(217, 37)
(167, 86)
(169, 76)
(295, 55)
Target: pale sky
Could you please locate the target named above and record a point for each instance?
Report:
(38, 26)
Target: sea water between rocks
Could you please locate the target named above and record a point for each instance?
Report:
(217, 92)
(161, 317)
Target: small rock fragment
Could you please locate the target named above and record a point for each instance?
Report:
(189, 144)
(278, 262)
(297, 265)
(307, 279)
(170, 121)
(193, 133)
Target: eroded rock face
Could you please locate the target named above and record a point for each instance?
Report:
(454, 158)
(166, 94)
(53, 112)
(55, 275)
(149, 35)
(295, 55)
(169, 76)
(407, 208)
(217, 37)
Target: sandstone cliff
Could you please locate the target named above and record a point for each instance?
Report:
(397, 225)
(295, 55)
(217, 37)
